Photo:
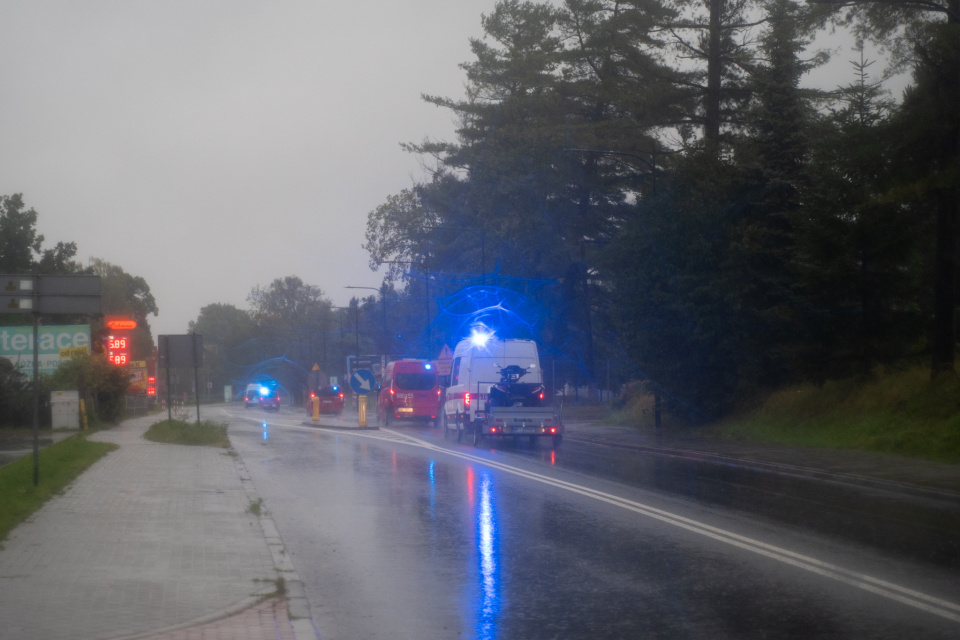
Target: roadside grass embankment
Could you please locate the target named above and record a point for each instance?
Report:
(59, 465)
(900, 412)
(205, 433)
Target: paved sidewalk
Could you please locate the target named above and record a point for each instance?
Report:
(878, 470)
(153, 541)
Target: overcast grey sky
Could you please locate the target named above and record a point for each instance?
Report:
(211, 146)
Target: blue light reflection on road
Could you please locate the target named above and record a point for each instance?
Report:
(488, 545)
(433, 488)
(264, 431)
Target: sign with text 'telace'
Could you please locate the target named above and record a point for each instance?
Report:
(57, 345)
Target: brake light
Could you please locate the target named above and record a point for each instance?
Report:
(392, 392)
(541, 396)
(466, 399)
(341, 396)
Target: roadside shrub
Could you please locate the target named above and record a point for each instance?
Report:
(15, 397)
(101, 385)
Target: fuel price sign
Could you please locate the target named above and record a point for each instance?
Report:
(118, 349)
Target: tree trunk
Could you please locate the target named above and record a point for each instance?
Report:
(711, 121)
(943, 344)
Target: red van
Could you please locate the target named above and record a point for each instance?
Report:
(409, 390)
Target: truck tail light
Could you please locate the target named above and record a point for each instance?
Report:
(466, 399)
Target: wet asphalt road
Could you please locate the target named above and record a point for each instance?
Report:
(399, 534)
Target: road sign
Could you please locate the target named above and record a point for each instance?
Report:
(13, 284)
(69, 304)
(49, 294)
(363, 381)
(16, 293)
(72, 285)
(444, 360)
(181, 351)
(15, 304)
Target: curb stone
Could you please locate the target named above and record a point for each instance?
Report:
(298, 607)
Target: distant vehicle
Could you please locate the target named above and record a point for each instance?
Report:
(409, 390)
(496, 389)
(251, 397)
(331, 400)
(269, 398)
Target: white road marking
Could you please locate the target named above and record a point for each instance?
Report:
(910, 597)
(883, 588)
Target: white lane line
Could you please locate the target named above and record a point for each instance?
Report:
(910, 597)
(883, 588)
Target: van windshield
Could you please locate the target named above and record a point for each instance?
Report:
(415, 381)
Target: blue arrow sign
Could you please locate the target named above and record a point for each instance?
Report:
(363, 381)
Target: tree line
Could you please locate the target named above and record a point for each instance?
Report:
(662, 186)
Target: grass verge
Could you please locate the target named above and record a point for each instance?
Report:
(206, 434)
(586, 413)
(59, 465)
(902, 412)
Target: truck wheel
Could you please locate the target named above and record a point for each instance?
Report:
(386, 416)
(443, 424)
(459, 429)
(557, 439)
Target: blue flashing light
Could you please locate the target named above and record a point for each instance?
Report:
(479, 338)
(336, 388)
(428, 366)
(264, 391)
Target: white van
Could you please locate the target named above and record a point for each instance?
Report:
(251, 397)
(476, 366)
